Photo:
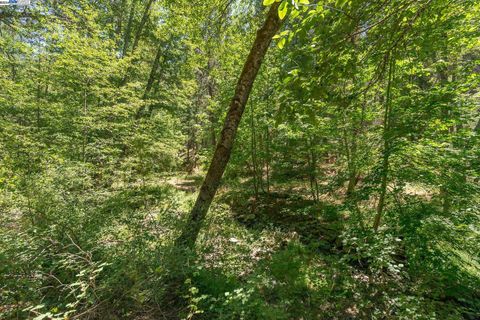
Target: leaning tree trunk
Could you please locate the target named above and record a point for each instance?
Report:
(225, 143)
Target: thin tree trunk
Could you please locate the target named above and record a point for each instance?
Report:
(261, 161)
(138, 33)
(212, 93)
(355, 173)
(38, 106)
(352, 145)
(386, 147)
(352, 183)
(447, 115)
(85, 110)
(128, 31)
(267, 162)
(225, 143)
(254, 151)
(350, 162)
(153, 71)
(312, 164)
(353, 162)
(191, 144)
(311, 176)
(150, 81)
(119, 17)
(141, 26)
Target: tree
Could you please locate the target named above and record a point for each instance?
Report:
(227, 138)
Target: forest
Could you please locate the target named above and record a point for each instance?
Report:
(240, 159)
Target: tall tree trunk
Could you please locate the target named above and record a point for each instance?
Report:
(191, 144)
(138, 33)
(84, 141)
(267, 157)
(253, 151)
(312, 161)
(351, 163)
(225, 143)
(119, 8)
(128, 31)
(354, 173)
(141, 26)
(386, 146)
(352, 170)
(212, 91)
(351, 146)
(150, 81)
(153, 71)
(38, 106)
(447, 116)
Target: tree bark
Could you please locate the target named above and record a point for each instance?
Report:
(225, 143)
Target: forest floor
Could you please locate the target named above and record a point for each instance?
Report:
(275, 255)
(283, 251)
(279, 249)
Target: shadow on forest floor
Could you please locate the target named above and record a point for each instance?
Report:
(189, 183)
(317, 224)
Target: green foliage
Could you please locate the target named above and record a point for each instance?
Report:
(111, 110)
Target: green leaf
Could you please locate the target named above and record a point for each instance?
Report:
(303, 1)
(287, 79)
(268, 2)
(281, 43)
(341, 3)
(282, 10)
(294, 14)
